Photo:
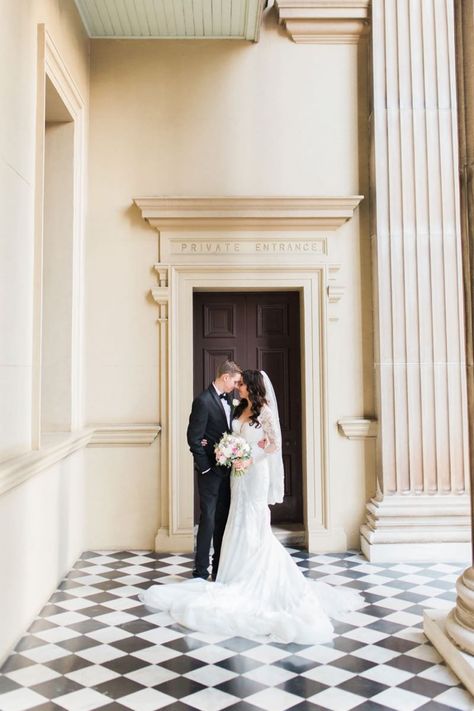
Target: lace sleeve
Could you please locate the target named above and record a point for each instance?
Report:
(271, 435)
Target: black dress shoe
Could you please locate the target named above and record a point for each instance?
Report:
(203, 576)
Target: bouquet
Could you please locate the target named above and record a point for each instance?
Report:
(233, 451)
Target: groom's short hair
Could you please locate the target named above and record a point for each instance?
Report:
(228, 367)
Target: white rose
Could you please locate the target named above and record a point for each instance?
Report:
(235, 402)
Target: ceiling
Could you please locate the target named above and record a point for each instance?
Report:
(172, 19)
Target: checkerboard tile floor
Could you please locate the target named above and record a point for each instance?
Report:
(95, 646)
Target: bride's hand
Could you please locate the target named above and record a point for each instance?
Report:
(262, 443)
(204, 442)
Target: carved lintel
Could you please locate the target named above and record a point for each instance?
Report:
(162, 273)
(324, 21)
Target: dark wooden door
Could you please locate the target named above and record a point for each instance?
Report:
(260, 331)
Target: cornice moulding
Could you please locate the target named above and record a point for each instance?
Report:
(240, 213)
(123, 435)
(357, 427)
(324, 21)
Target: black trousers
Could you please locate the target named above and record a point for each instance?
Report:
(214, 499)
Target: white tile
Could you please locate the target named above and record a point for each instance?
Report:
(102, 560)
(273, 699)
(121, 603)
(440, 673)
(151, 675)
(208, 637)
(210, 654)
(418, 580)
(90, 579)
(57, 634)
(394, 603)
(386, 591)
(438, 603)
(374, 579)
(399, 699)
(92, 675)
(105, 635)
(134, 569)
(128, 590)
(174, 560)
(34, 674)
(362, 634)
(140, 558)
(156, 654)
(21, 699)
(321, 654)
(210, 700)
(326, 674)
(146, 700)
(405, 568)
(160, 619)
(75, 603)
(390, 676)
(160, 635)
(265, 653)
(46, 653)
(115, 618)
(96, 569)
(84, 591)
(101, 653)
(210, 675)
(82, 700)
(456, 697)
(372, 653)
(403, 618)
(412, 634)
(425, 652)
(336, 699)
(445, 568)
(269, 675)
(65, 619)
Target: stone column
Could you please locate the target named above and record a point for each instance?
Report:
(458, 625)
(421, 510)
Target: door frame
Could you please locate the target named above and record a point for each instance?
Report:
(176, 531)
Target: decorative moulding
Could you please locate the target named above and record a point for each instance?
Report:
(57, 446)
(357, 427)
(324, 21)
(124, 435)
(240, 213)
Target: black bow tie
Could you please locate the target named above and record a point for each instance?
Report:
(224, 396)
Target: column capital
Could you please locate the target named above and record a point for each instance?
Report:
(324, 21)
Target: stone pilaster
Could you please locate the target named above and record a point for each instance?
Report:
(419, 319)
(453, 633)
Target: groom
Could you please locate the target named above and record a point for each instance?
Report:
(211, 417)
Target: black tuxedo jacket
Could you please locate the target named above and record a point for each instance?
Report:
(206, 421)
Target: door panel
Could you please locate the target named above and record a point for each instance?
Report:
(259, 331)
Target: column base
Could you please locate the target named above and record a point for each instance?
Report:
(417, 527)
(174, 543)
(461, 663)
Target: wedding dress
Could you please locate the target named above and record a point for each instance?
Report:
(259, 592)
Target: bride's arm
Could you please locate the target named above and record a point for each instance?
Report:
(269, 430)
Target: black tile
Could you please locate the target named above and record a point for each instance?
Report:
(362, 686)
(184, 644)
(431, 706)
(14, 662)
(179, 687)
(296, 664)
(397, 644)
(7, 685)
(125, 664)
(301, 686)
(373, 706)
(241, 687)
(425, 687)
(131, 644)
(239, 664)
(352, 664)
(51, 706)
(387, 627)
(409, 597)
(101, 597)
(108, 585)
(65, 665)
(87, 626)
(137, 626)
(340, 628)
(377, 611)
(409, 664)
(118, 687)
(50, 610)
(182, 665)
(77, 644)
(345, 644)
(53, 688)
(41, 625)
(96, 611)
(29, 642)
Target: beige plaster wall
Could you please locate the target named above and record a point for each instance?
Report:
(218, 118)
(40, 520)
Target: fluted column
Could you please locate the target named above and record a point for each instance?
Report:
(421, 509)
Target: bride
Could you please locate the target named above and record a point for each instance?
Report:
(259, 591)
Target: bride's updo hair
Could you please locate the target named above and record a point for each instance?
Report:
(253, 379)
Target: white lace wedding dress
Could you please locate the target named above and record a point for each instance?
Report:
(260, 592)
